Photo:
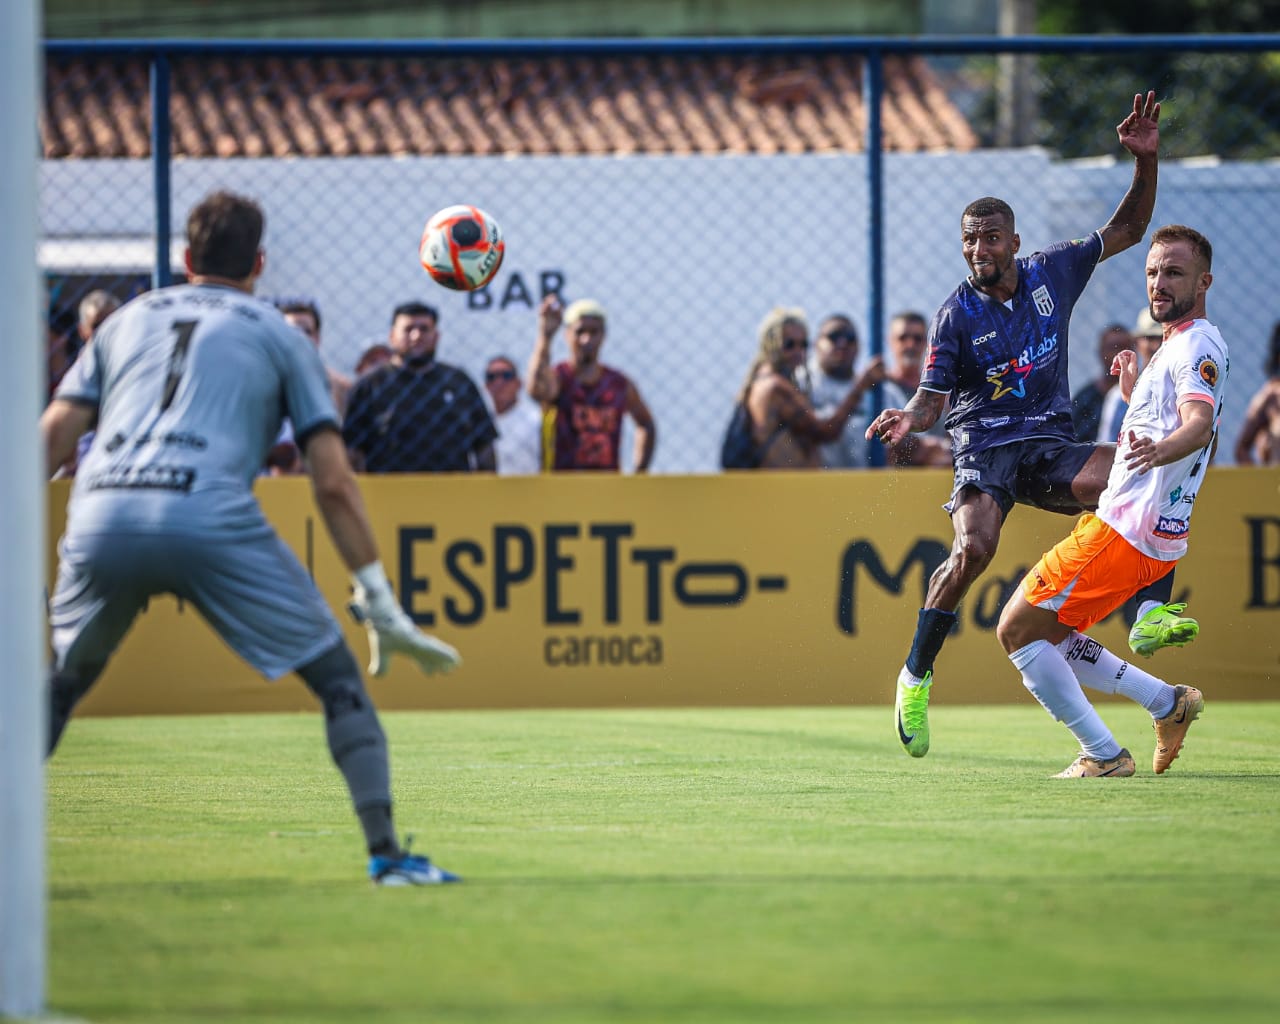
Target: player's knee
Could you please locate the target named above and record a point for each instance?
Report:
(973, 554)
(335, 679)
(1007, 631)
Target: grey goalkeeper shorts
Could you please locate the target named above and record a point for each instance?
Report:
(253, 591)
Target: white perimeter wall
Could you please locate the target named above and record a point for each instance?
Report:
(688, 253)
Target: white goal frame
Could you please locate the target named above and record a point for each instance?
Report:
(23, 925)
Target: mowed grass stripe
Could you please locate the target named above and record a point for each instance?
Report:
(653, 865)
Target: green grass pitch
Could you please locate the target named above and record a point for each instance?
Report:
(668, 866)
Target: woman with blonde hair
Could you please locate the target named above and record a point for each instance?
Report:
(776, 395)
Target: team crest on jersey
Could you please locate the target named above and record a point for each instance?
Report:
(1043, 300)
(1208, 371)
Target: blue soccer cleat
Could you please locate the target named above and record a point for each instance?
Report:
(407, 868)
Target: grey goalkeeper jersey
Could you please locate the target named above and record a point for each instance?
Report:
(191, 384)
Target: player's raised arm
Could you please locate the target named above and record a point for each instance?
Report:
(1139, 133)
(542, 383)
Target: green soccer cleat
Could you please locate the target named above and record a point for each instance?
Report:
(1163, 626)
(911, 714)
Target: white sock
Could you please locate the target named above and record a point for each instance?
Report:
(1047, 675)
(1146, 606)
(1099, 669)
(909, 677)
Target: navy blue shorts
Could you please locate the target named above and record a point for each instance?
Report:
(1036, 472)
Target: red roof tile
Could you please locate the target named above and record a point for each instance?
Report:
(277, 106)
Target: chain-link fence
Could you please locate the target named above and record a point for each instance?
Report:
(688, 186)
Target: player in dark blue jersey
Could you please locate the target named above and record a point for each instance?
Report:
(998, 349)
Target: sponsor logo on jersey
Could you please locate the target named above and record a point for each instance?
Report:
(1009, 379)
(984, 339)
(1208, 371)
(1043, 300)
(1175, 494)
(148, 478)
(1170, 528)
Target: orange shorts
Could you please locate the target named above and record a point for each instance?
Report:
(1089, 574)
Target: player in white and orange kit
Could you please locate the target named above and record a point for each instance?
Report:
(1141, 527)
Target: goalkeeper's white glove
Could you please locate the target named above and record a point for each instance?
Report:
(391, 631)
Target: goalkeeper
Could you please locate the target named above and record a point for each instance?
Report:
(187, 387)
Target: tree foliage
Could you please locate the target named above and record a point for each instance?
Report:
(1220, 104)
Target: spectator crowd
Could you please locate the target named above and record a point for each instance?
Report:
(806, 406)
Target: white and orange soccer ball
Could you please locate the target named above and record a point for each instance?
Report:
(462, 248)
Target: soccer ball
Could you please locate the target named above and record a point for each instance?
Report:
(462, 248)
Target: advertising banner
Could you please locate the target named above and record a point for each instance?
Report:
(746, 589)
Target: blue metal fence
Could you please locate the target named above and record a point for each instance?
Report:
(885, 257)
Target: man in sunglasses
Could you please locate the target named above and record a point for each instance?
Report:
(832, 375)
(998, 350)
(519, 420)
(907, 332)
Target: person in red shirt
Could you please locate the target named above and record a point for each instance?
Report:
(590, 399)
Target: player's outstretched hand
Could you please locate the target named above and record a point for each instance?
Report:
(1140, 131)
(391, 631)
(891, 426)
(1125, 366)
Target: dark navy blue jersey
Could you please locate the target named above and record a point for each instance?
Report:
(1005, 364)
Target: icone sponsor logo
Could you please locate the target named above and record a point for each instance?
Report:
(485, 575)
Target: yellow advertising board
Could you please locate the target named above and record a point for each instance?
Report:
(746, 589)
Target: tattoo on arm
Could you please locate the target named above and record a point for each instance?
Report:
(924, 409)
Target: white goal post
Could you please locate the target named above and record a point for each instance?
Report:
(23, 930)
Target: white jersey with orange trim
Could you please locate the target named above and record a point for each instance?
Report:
(1152, 511)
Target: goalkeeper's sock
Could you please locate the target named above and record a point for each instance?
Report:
(356, 741)
(379, 832)
(66, 688)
